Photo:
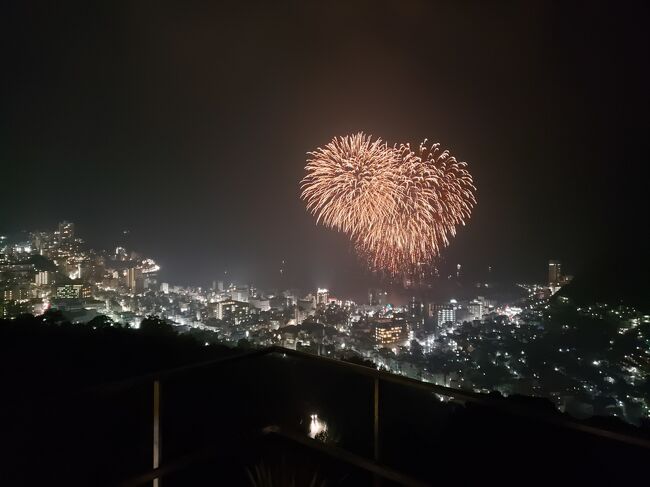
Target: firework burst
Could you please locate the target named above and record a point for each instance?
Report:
(350, 184)
(399, 206)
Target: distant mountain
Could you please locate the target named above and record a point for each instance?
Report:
(620, 276)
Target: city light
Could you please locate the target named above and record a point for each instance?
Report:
(316, 426)
(482, 343)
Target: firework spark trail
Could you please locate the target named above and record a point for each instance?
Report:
(400, 207)
(435, 196)
(350, 184)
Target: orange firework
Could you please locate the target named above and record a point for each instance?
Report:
(436, 193)
(350, 183)
(400, 206)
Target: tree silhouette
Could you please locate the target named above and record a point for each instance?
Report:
(153, 325)
(100, 322)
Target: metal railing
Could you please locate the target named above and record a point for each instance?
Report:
(161, 469)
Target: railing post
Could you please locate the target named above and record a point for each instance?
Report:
(156, 429)
(376, 420)
(375, 428)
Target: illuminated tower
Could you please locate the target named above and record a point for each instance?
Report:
(554, 273)
(133, 278)
(66, 230)
(322, 297)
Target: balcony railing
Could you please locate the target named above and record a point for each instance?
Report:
(162, 388)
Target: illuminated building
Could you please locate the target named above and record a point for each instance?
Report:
(240, 294)
(120, 254)
(300, 314)
(415, 314)
(42, 278)
(66, 230)
(443, 313)
(386, 331)
(164, 287)
(554, 273)
(447, 315)
(322, 297)
(73, 291)
(237, 311)
(475, 309)
(134, 281)
(261, 304)
(40, 242)
(16, 293)
(150, 281)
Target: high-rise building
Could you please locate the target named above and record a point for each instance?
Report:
(554, 273)
(39, 242)
(443, 313)
(322, 297)
(446, 315)
(134, 281)
(66, 230)
(164, 287)
(475, 309)
(42, 278)
(231, 310)
(130, 278)
(386, 331)
(150, 280)
(120, 254)
(415, 308)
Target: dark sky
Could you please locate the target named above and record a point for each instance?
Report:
(188, 123)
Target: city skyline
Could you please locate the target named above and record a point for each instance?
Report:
(281, 277)
(513, 339)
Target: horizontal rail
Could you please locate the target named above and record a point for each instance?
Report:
(502, 404)
(345, 456)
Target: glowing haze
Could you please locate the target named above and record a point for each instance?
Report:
(399, 206)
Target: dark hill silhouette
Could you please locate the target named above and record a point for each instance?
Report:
(621, 275)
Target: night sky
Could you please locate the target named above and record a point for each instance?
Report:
(188, 122)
